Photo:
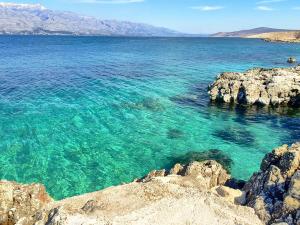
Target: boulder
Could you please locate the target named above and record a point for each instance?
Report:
(274, 192)
(21, 203)
(279, 86)
(207, 174)
(292, 60)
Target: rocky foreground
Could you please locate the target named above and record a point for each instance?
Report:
(275, 87)
(197, 193)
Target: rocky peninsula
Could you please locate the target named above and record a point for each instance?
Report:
(287, 36)
(196, 193)
(259, 86)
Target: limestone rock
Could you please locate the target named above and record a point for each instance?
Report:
(274, 192)
(279, 86)
(233, 195)
(207, 174)
(21, 203)
(292, 60)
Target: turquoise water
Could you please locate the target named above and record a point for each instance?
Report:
(79, 114)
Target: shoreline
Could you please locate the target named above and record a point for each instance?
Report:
(200, 187)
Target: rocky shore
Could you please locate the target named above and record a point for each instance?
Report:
(275, 87)
(289, 36)
(196, 193)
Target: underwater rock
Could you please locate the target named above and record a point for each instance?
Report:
(234, 135)
(150, 104)
(279, 86)
(212, 154)
(185, 98)
(175, 134)
(274, 192)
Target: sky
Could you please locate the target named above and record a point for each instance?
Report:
(189, 16)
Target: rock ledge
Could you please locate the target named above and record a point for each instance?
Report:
(279, 86)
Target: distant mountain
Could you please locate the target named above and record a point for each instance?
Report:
(245, 33)
(35, 19)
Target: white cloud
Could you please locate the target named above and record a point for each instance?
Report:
(207, 8)
(269, 1)
(111, 1)
(264, 8)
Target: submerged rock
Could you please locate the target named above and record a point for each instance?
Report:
(150, 104)
(186, 99)
(235, 135)
(175, 134)
(274, 192)
(280, 86)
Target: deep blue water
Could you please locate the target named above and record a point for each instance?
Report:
(79, 114)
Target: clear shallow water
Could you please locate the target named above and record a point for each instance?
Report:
(79, 114)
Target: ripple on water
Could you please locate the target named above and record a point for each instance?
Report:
(79, 114)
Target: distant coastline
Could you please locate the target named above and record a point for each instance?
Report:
(290, 37)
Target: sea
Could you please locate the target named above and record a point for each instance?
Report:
(79, 114)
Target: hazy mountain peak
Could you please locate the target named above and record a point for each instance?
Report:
(22, 6)
(36, 19)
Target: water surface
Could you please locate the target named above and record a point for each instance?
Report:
(79, 114)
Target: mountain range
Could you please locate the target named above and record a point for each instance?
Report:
(35, 19)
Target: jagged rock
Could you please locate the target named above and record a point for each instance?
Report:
(208, 173)
(280, 86)
(274, 192)
(292, 60)
(20, 203)
(211, 154)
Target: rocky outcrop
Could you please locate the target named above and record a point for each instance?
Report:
(280, 86)
(292, 60)
(274, 192)
(287, 36)
(19, 204)
(205, 174)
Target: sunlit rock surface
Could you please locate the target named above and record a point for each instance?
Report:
(274, 192)
(279, 86)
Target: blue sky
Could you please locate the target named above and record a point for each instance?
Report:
(191, 16)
